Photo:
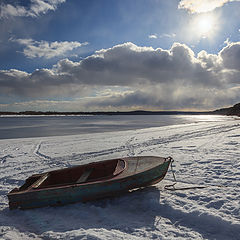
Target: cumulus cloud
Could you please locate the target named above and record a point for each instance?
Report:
(44, 49)
(202, 6)
(129, 64)
(231, 55)
(35, 8)
(158, 78)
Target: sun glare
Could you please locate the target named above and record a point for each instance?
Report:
(204, 26)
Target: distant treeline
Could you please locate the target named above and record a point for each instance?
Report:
(140, 112)
(235, 110)
(231, 111)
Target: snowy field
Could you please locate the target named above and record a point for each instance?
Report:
(205, 153)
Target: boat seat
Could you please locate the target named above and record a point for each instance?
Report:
(84, 175)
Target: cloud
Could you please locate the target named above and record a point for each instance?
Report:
(183, 97)
(154, 36)
(44, 49)
(167, 35)
(36, 8)
(201, 6)
(129, 64)
(150, 78)
(231, 55)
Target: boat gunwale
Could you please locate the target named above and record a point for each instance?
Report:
(100, 180)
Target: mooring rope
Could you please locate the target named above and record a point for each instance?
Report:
(172, 187)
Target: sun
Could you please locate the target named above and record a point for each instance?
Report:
(204, 26)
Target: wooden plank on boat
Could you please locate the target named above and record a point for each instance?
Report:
(85, 175)
(40, 181)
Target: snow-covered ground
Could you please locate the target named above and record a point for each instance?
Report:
(205, 153)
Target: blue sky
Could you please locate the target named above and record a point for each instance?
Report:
(90, 55)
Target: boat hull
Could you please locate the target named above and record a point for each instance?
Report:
(130, 179)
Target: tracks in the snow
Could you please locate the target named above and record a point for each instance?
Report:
(133, 145)
(39, 154)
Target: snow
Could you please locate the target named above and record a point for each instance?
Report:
(205, 154)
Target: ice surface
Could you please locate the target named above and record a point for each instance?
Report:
(205, 153)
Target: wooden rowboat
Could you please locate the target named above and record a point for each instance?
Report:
(88, 182)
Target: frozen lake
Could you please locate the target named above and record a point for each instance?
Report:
(206, 153)
(43, 126)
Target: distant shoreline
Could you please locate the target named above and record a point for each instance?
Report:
(231, 111)
(37, 113)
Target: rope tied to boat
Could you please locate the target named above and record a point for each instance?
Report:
(172, 187)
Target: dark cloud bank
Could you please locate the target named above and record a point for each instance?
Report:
(154, 78)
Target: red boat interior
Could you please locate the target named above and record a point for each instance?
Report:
(76, 175)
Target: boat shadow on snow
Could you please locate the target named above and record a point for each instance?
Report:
(126, 212)
(141, 208)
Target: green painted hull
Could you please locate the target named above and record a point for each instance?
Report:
(138, 173)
